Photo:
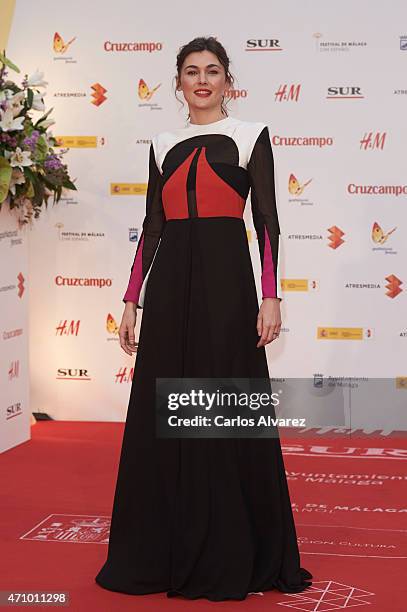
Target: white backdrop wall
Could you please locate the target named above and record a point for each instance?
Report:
(332, 73)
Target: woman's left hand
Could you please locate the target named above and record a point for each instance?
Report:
(268, 321)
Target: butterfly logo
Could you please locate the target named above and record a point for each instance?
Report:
(294, 186)
(144, 92)
(111, 325)
(59, 45)
(378, 234)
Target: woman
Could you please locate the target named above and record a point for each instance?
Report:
(202, 517)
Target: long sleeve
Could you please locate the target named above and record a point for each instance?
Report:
(264, 212)
(153, 225)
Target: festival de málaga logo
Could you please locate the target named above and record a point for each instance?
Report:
(324, 45)
(379, 238)
(112, 329)
(60, 48)
(145, 93)
(296, 189)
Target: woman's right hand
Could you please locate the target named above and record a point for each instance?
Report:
(127, 327)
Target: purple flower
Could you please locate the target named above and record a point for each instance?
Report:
(31, 141)
(52, 162)
(28, 142)
(7, 139)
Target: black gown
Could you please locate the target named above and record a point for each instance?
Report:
(202, 517)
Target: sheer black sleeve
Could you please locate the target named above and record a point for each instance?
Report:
(264, 212)
(153, 225)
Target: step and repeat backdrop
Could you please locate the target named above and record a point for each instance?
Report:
(329, 79)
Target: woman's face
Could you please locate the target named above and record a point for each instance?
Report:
(202, 81)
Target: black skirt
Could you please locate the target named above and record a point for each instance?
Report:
(200, 517)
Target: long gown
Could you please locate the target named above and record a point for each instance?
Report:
(202, 517)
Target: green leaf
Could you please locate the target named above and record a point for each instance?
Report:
(37, 184)
(8, 63)
(69, 184)
(39, 192)
(48, 183)
(30, 97)
(42, 148)
(5, 176)
(30, 174)
(30, 190)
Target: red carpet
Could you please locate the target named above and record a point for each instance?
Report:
(349, 500)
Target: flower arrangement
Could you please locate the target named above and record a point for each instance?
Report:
(30, 170)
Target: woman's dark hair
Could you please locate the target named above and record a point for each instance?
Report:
(202, 43)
